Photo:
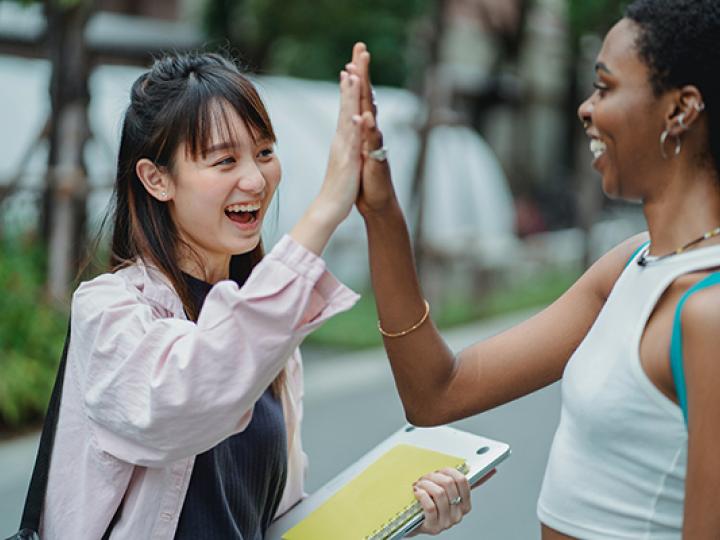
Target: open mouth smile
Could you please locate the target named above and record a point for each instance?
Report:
(243, 214)
(597, 147)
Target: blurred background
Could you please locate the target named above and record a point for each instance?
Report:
(477, 100)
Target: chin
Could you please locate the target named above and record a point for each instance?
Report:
(248, 245)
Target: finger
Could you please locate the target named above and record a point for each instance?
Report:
(349, 99)
(463, 488)
(360, 66)
(440, 498)
(373, 136)
(430, 512)
(448, 484)
(357, 50)
(367, 102)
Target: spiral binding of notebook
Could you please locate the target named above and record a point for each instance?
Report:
(402, 517)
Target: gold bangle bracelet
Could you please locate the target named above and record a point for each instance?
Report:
(411, 329)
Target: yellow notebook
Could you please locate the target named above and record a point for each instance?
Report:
(378, 501)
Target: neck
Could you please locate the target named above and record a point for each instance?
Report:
(212, 269)
(685, 205)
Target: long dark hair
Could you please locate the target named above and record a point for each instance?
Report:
(179, 100)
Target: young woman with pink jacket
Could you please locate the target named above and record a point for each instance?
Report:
(183, 391)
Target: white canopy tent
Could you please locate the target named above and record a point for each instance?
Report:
(468, 203)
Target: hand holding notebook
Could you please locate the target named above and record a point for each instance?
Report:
(373, 499)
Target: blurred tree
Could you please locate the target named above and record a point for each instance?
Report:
(63, 206)
(312, 39)
(65, 199)
(594, 17)
(584, 18)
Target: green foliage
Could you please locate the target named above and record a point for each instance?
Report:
(31, 336)
(593, 16)
(313, 39)
(357, 328)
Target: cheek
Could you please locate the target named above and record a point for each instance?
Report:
(272, 173)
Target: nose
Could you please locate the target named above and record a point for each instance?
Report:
(251, 178)
(585, 111)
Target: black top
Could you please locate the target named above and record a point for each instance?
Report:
(236, 486)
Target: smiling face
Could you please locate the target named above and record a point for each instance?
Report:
(623, 117)
(219, 198)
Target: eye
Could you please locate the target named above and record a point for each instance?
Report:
(227, 160)
(601, 88)
(266, 153)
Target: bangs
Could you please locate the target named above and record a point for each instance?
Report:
(205, 114)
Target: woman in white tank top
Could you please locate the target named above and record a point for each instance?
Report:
(636, 339)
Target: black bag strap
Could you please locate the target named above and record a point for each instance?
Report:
(38, 483)
(30, 522)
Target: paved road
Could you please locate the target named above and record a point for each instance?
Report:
(351, 405)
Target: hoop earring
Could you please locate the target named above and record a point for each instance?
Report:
(663, 139)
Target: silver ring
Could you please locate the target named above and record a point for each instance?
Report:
(379, 155)
(456, 500)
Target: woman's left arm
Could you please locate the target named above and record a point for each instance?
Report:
(701, 343)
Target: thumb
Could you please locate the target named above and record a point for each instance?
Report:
(372, 135)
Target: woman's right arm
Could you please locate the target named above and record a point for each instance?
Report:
(157, 388)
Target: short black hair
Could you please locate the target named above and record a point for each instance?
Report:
(679, 43)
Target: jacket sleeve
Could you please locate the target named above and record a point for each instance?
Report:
(157, 389)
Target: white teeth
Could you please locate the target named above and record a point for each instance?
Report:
(252, 207)
(597, 147)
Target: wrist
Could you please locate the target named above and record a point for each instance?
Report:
(387, 213)
(315, 227)
(325, 213)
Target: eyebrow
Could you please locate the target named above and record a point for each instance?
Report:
(218, 147)
(600, 66)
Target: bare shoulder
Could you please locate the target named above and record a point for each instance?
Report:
(701, 316)
(603, 274)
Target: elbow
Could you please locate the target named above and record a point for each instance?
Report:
(424, 416)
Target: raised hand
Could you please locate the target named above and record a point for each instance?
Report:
(341, 185)
(342, 179)
(376, 189)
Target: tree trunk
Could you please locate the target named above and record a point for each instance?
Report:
(433, 95)
(64, 201)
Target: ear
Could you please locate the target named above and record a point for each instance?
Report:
(688, 106)
(155, 180)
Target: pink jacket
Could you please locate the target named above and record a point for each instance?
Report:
(146, 390)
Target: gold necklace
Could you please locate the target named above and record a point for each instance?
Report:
(646, 259)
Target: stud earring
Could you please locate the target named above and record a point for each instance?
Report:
(681, 120)
(699, 107)
(164, 194)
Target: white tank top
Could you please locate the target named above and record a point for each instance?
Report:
(617, 464)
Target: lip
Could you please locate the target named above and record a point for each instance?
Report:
(247, 227)
(252, 226)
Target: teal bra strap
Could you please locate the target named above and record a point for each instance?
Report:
(676, 354)
(638, 250)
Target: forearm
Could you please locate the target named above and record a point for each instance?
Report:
(422, 364)
(315, 227)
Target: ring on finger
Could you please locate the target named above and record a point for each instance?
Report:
(379, 154)
(456, 500)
